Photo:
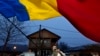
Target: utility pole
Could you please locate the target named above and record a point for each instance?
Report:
(40, 39)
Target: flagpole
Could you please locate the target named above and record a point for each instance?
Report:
(39, 41)
(7, 39)
(19, 30)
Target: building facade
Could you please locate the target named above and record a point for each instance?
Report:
(41, 42)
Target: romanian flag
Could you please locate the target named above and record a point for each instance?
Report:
(83, 14)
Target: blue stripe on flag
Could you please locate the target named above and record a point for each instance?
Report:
(18, 8)
(6, 10)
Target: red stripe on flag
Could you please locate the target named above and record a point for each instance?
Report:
(84, 15)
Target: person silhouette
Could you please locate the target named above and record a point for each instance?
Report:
(57, 51)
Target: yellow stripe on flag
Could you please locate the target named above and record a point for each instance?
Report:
(41, 9)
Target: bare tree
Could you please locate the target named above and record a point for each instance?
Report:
(63, 46)
(7, 30)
